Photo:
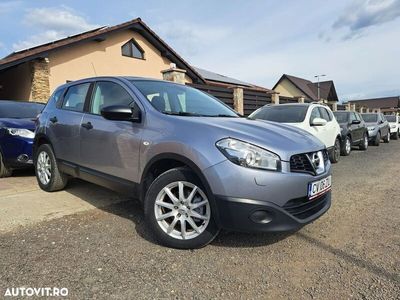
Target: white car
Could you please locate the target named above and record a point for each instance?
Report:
(314, 118)
(394, 125)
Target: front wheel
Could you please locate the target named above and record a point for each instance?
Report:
(4, 171)
(396, 136)
(386, 139)
(178, 210)
(48, 176)
(364, 143)
(346, 146)
(334, 155)
(377, 140)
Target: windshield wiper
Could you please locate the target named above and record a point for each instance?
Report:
(181, 113)
(223, 116)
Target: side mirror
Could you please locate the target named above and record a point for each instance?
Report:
(121, 113)
(356, 122)
(318, 122)
(381, 122)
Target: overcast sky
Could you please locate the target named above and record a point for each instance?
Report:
(356, 43)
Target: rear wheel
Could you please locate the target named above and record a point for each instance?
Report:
(179, 211)
(4, 171)
(377, 140)
(386, 139)
(335, 152)
(364, 143)
(346, 146)
(48, 176)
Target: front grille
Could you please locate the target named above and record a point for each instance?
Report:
(300, 163)
(303, 208)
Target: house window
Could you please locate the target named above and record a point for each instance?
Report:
(132, 49)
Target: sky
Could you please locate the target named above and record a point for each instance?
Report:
(355, 43)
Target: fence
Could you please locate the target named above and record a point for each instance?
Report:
(284, 100)
(253, 100)
(222, 93)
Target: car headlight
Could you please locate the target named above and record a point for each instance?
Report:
(248, 155)
(21, 132)
(371, 128)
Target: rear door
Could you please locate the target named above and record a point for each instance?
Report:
(110, 147)
(64, 122)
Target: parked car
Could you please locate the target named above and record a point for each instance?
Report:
(16, 134)
(196, 166)
(394, 124)
(378, 128)
(314, 118)
(354, 132)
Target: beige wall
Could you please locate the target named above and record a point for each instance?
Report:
(16, 83)
(93, 58)
(287, 89)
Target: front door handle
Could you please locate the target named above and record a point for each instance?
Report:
(87, 125)
(53, 120)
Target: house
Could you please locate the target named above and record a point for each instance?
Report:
(130, 48)
(296, 87)
(385, 104)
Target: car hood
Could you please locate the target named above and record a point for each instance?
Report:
(371, 124)
(18, 123)
(284, 140)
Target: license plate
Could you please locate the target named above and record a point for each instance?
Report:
(320, 187)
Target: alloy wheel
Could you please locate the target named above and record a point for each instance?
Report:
(43, 167)
(182, 210)
(348, 146)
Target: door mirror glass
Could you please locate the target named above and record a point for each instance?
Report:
(318, 122)
(355, 122)
(121, 113)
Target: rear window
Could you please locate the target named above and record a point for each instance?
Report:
(20, 110)
(391, 118)
(341, 117)
(370, 118)
(281, 113)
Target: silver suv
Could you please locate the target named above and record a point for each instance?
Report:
(194, 164)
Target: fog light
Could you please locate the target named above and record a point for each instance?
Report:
(261, 217)
(23, 158)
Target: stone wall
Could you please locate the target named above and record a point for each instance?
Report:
(40, 80)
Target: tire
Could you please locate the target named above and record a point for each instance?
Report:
(178, 208)
(48, 176)
(334, 154)
(4, 171)
(377, 139)
(386, 139)
(364, 143)
(345, 148)
(396, 136)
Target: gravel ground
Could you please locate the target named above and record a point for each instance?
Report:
(353, 251)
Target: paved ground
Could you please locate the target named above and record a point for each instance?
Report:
(353, 251)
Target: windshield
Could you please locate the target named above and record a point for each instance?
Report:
(391, 119)
(19, 110)
(341, 117)
(281, 113)
(370, 118)
(174, 99)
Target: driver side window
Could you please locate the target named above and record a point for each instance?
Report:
(108, 93)
(314, 114)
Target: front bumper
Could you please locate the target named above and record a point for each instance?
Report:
(394, 130)
(239, 192)
(260, 216)
(17, 152)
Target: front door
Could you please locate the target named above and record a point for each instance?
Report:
(110, 147)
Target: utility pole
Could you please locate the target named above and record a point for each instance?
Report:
(319, 93)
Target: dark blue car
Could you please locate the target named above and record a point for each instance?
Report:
(17, 127)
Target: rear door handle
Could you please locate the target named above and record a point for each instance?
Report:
(87, 125)
(53, 120)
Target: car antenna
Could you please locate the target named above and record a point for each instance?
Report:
(94, 69)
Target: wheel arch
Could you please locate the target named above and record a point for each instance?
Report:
(167, 161)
